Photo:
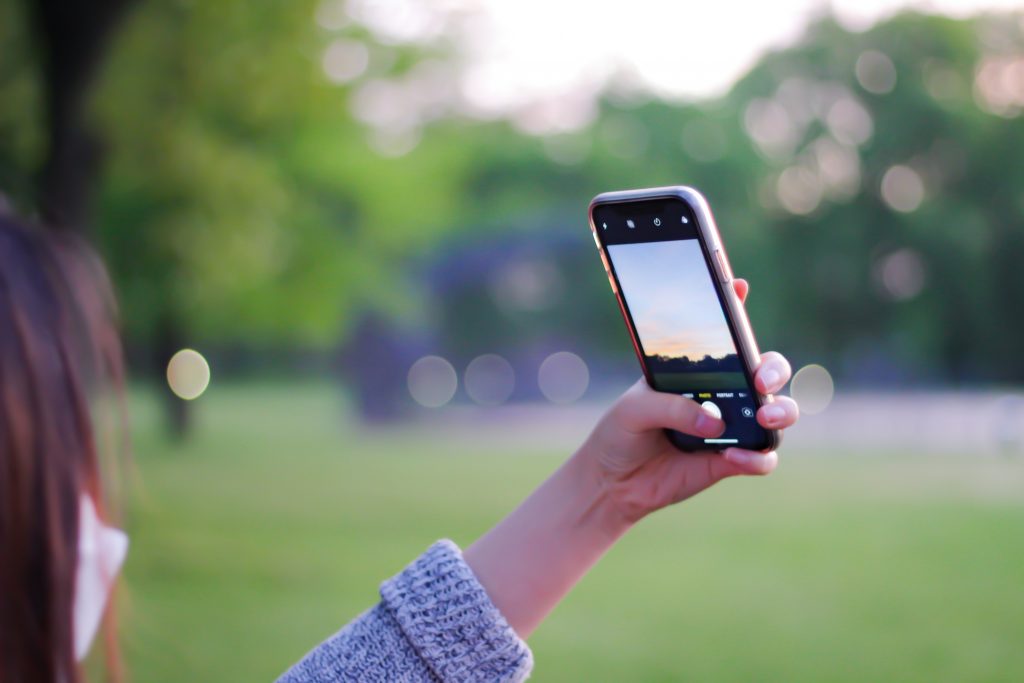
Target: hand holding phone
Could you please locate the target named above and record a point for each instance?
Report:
(671, 277)
(641, 471)
(627, 468)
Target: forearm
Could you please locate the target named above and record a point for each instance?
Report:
(533, 557)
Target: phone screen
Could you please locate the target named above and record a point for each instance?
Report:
(676, 311)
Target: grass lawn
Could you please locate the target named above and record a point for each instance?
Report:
(273, 526)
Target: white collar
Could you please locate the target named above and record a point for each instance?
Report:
(101, 552)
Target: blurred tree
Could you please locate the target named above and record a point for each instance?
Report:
(863, 183)
(887, 189)
(244, 204)
(275, 172)
(239, 131)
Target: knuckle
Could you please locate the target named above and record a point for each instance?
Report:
(774, 358)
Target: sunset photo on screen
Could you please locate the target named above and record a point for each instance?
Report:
(683, 334)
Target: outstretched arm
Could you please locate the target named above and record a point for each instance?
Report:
(451, 616)
(625, 470)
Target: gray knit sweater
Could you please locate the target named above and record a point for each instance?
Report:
(434, 623)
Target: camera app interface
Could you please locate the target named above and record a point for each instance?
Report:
(678, 316)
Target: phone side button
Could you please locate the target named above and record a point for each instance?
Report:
(611, 281)
(721, 268)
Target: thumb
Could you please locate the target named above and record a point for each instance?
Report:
(642, 408)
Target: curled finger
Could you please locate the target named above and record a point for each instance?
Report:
(751, 462)
(773, 373)
(781, 413)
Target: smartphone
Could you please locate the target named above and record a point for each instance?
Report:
(670, 274)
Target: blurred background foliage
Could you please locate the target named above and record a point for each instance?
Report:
(273, 172)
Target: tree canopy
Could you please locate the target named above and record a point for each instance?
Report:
(264, 180)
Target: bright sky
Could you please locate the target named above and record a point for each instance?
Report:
(676, 47)
(520, 54)
(670, 296)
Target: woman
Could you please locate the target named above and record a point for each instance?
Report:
(449, 616)
(57, 348)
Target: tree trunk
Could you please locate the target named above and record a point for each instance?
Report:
(72, 37)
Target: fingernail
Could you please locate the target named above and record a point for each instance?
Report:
(773, 414)
(708, 424)
(769, 378)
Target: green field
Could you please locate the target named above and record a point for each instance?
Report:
(273, 526)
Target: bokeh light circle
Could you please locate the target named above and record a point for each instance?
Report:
(902, 189)
(188, 374)
(489, 379)
(901, 274)
(432, 381)
(799, 190)
(812, 388)
(875, 72)
(563, 377)
(849, 122)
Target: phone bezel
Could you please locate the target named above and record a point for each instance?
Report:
(736, 316)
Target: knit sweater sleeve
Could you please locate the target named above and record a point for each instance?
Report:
(434, 623)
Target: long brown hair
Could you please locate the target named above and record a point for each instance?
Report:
(58, 347)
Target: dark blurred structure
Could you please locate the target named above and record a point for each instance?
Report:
(374, 362)
(495, 295)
